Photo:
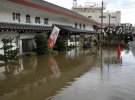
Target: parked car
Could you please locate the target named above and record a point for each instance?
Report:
(129, 36)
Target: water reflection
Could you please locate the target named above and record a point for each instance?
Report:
(115, 83)
(61, 77)
(111, 56)
(8, 70)
(73, 53)
(28, 63)
(43, 75)
(54, 67)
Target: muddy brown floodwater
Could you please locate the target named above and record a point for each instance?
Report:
(74, 75)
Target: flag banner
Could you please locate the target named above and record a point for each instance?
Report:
(53, 37)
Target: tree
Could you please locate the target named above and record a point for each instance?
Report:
(10, 54)
(41, 44)
(60, 44)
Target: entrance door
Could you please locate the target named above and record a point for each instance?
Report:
(25, 45)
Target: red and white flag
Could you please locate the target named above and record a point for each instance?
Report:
(53, 37)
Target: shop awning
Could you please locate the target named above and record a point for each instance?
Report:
(75, 31)
(23, 27)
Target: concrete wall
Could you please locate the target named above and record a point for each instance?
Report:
(13, 35)
(17, 39)
(7, 8)
(94, 13)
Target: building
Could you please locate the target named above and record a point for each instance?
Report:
(92, 10)
(133, 30)
(127, 27)
(23, 19)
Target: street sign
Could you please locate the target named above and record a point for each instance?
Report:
(109, 29)
(119, 29)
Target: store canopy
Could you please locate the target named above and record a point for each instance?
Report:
(23, 27)
(75, 31)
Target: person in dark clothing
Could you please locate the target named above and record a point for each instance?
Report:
(126, 39)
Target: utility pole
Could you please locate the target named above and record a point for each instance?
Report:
(109, 22)
(102, 35)
(102, 21)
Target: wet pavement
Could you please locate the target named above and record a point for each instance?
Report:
(75, 75)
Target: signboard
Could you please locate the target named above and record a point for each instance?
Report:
(110, 29)
(117, 29)
(53, 37)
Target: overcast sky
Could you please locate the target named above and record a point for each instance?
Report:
(127, 7)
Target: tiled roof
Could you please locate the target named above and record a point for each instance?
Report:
(43, 5)
(23, 27)
(73, 30)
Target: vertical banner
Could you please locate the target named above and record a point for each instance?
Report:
(53, 37)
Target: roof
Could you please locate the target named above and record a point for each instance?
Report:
(23, 27)
(46, 6)
(76, 31)
(35, 28)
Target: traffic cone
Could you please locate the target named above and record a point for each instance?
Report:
(118, 52)
(118, 49)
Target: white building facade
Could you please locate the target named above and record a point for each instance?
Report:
(23, 19)
(92, 10)
(127, 27)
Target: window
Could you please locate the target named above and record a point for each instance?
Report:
(80, 26)
(89, 16)
(83, 26)
(95, 27)
(102, 17)
(28, 19)
(71, 39)
(16, 16)
(75, 25)
(46, 20)
(37, 20)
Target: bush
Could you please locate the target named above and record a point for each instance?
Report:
(41, 44)
(52, 52)
(60, 45)
(112, 44)
(31, 54)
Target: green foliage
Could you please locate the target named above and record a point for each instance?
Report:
(113, 37)
(41, 44)
(31, 54)
(112, 44)
(9, 53)
(52, 52)
(13, 54)
(60, 45)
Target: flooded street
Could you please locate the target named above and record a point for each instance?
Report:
(67, 50)
(74, 75)
(113, 81)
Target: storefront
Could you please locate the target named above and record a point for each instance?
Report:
(22, 20)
